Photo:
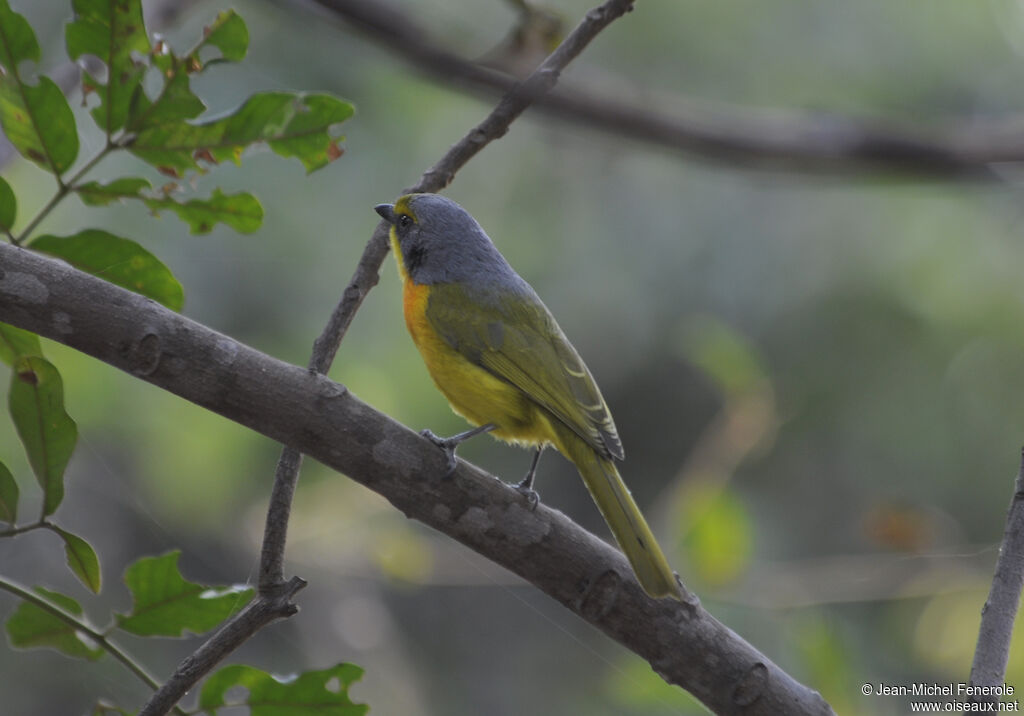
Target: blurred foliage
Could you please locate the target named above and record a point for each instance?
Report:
(636, 687)
(827, 660)
(151, 124)
(719, 542)
(830, 365)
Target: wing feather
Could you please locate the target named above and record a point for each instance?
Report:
(512, 335)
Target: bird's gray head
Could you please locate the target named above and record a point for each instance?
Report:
(440, 242)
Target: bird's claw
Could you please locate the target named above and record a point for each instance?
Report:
(447, 445)
(532, 496)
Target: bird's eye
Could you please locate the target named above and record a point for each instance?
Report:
(404, 221)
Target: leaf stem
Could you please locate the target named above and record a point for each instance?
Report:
(63, 189)
(14, 531)
(87, 629)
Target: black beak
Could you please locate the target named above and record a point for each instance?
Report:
(386, 211)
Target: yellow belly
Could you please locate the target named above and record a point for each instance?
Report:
(472, 392)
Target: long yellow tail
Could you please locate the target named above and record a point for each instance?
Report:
(622, 515)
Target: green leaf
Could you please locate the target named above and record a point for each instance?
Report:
(113, 31)
(32, 626)
(8, 206)
(177, 101)
(8, 496)
(241, 211)
(36, 118)
(81, 559)
(306, 136)
(164, 604)
(292, 124)
(36, 401)
(15, 343)
(95, 194)
(311, 693)
(120, 261)
(228, 34)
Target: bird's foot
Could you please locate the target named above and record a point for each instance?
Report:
(448, 446)
(525, 488)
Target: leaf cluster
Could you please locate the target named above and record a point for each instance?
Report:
(141, 100)
(165, 604)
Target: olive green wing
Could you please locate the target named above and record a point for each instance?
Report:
(512, 335)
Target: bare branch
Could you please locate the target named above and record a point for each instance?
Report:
(750, 140)
(275, 531)
(309, 412)
(1000, 610)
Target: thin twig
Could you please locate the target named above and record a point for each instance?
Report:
(816, 143)
(14, 530)
(63, 189)
(1000, 610)
(275, 530)
(273, 599)
(80, 625)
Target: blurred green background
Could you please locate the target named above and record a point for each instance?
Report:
(817, 380)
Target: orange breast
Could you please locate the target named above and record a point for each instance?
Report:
(414, 306)
(472, 392)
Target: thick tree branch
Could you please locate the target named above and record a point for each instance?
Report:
(744, 138)
(1000, 610)
(320, 418)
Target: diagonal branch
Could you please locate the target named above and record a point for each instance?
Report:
(273, 598)
(367, 272)
(1000, 610)
(814, 143)
(267, 607)
(320, 418)
(368, 269)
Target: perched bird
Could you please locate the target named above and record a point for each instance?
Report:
(498, 356)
